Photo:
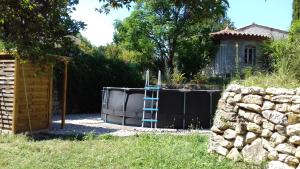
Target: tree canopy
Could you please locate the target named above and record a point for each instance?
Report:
(168, 31)
(35, 28)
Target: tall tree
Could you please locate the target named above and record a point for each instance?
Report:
(169, 28)
(296, 10)
(36, 28)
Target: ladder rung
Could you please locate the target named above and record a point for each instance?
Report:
(150, 120)
(150, 98)
(150, 109)
(152, 88)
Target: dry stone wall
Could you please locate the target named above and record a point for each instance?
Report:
(255, 125)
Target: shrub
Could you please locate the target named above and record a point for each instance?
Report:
(199, 78)
(88, 75)
(177, 77)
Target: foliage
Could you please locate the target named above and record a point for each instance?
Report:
(177, 77)
(266, 80)
(248, 72)
(277, 50)
(2, 47)
(114, 51)
(284, 62)
(199, 78)
(294, 37)
(221, 81)
(244, 73)
(296, 10)
(198, 50)
(285, 52)
(114, 4)
(36, 28)
(166, 31)
(89, 74)
(294, 33)
(131, 35)
(141, 151)
(86, 46)
(90, 71)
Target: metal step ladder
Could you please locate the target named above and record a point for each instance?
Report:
(151, 98)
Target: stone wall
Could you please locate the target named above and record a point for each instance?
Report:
(255, 125)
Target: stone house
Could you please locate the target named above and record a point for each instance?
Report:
(241, 47)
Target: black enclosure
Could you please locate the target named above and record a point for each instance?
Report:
(180, 109)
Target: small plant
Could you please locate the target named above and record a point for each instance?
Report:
(177, 77)
(247, 72)
(89, 136)
(199, 78)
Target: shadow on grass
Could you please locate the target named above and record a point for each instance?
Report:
(73, 132)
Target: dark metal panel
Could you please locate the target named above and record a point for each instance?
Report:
(177, 108)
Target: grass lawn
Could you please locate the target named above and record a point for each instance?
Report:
(106, 151)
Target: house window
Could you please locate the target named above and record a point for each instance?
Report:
(250, 55)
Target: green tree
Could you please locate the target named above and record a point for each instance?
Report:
(166, 30)
(132, 35)
(36, 29)
(114, 4)
(296, 10)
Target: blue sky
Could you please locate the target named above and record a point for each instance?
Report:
(273, 13)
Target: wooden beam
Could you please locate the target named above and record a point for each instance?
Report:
(15, 101)
(50, 96)
(63, 115)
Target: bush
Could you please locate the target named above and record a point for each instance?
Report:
(88, 75)
(199, 78)
(177, 77)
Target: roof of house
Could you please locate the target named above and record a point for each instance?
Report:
(253, 31)
(261, 26)
(229, 32)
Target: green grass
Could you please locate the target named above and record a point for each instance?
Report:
(270, 80)
(142, 151)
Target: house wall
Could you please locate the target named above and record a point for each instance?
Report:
(225, 63)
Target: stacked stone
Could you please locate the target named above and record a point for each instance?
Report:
(255, 124)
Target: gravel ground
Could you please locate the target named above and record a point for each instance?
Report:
(77, 124)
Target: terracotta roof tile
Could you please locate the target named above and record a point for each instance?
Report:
(229, 32)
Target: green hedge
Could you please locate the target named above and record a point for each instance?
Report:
(88, 75)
